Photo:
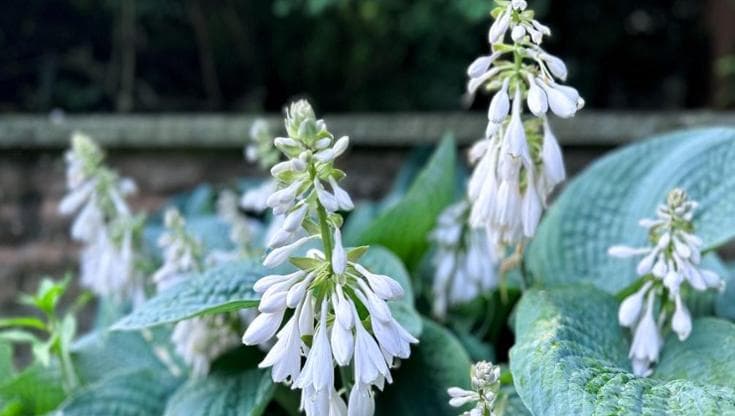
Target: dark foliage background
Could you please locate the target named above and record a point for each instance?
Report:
(347, 55)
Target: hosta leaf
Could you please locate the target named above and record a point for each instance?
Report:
(420, 383)
(571, 358)
(381, 261)
(137, 393)
(103, 353)
(602, 206)
(403, 228)
(245, 393)
(223, 288)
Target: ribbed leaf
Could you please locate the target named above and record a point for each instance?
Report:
(101, 354)
(137, 393)
(403, 228)
(420, 383)
(223, 288)
(571, 358)
(602, 206)
(381, 261)
(246, 393)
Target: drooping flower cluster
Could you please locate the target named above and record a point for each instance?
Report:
(671, 260)
(182, 253)
(485, 379)
(465, 262)
(201, 339)
(519, 162)
(104, 225)
(260, 149)
(340, 315)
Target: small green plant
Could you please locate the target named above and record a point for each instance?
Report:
(49, 336)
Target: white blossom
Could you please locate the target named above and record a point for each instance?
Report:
(671, 260)
(104, 225)
(465, 261)
(522, 163)
(200, 340)
(484, 392)
(340, 316)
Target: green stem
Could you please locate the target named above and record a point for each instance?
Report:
(324, 226)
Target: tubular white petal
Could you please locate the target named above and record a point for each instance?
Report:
(555, 65)
(681, 322)
(343, 198)
(295, 218)
(499, 105)
(361, 401)
(499, 27)
(263, 327)
(281, 254)
(630, 308)
(536, 100)
(551, 157)
(328, 201)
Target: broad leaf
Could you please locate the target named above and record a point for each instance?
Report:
(420, 383)
(224, 394)
(102, 354)
(34, 391)
(137, 393)
(381, 261)
(224, 288)
(403, 228)
(571, 358)
(602, 206)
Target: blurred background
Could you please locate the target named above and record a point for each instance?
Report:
(347, 55)
(170, 87)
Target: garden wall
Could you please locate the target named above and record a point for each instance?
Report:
(167, 154)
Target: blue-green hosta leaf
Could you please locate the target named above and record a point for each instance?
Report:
(136, 393)
(571, 358)
(245, 393)
(602, 206)
(420, 383)
(223, 288)
(381, 261)
(403, 228)
(102, 354)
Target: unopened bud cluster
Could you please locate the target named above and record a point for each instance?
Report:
(340, 315)
(519, 161)
(669, 267)
(485, 379)
(465, 261)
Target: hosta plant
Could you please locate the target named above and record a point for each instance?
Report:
(454, 294)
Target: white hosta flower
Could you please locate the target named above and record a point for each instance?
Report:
(671, 260)
(181, 252)
(519, 168)
(340, 316)
(647, 341)
(342, 341)
(260, 147)
(199, 341)
(104, 224)
(465, 261)
(485, 382)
